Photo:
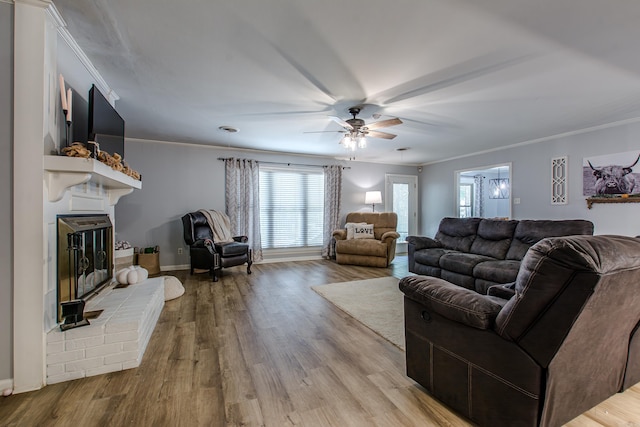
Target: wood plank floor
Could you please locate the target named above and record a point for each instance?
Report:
(262, 349)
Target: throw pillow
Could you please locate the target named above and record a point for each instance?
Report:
(350, 226)
(363, 232)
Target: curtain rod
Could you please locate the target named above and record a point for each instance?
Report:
(285, 164)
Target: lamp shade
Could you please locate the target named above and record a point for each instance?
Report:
(371, 197)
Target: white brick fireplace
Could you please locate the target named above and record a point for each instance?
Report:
(46, 186)
(118, 337)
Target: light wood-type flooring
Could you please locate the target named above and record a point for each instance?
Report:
(262, 349)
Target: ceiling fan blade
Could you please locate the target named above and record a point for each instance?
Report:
(341, 122)
(456, 74)
(378, 134)
(384, 123)
(324, 131)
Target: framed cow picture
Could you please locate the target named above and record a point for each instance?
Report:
(612, 174)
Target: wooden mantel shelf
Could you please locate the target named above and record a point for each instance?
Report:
(592, 200)
(62, 173)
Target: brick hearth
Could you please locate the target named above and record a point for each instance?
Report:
(114, 341)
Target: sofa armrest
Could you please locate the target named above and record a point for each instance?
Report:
(423, 242)
(389, 236)
(451, 301)
(198, 244)
(340, 234)
(241, 239)
(502, 291)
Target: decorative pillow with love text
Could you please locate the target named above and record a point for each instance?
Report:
(350, 226)
(363, 231)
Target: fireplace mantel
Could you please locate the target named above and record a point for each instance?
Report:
(62, 173)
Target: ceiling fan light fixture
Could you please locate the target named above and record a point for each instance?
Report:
(362, 142)
(356, 130)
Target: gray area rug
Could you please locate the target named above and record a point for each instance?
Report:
(376, 303)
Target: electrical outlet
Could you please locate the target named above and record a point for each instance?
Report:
(179, 251)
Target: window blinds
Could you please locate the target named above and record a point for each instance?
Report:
(291, 206)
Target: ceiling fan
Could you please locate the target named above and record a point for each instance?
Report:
(358, 128)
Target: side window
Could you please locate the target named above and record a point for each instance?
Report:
(466, 200)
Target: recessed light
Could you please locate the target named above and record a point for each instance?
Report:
(228, 129)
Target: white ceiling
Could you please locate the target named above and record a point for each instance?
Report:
(465, 76)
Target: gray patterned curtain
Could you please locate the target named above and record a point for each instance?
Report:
(478, 196)
(332, 197)
(242, 198)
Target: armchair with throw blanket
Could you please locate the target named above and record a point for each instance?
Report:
(211, 245)
(369, 239)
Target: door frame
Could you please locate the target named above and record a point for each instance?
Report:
(411, 180)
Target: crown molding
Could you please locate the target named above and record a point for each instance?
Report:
(61, 27)
(39, 3)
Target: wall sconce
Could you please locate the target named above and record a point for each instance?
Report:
(373, 197)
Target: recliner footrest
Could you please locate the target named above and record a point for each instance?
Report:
(231, 249)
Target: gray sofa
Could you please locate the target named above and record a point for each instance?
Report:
(564, 339)
(477, 253)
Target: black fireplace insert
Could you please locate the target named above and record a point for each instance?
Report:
(85, 257)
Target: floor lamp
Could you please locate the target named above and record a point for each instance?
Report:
(373, 197)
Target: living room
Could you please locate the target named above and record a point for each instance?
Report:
(150, 216)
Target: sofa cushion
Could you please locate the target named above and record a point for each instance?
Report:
(530, 232)
(459, 279)
(457, 233)
(498, 271)
(451, 301)
(366, 247)
(462, 263)
(431, 256)
(493, 238)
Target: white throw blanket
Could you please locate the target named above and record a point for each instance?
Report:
(220, 225)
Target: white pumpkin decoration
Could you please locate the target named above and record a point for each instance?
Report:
(132, 275)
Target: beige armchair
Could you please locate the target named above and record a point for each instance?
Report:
(376, 250)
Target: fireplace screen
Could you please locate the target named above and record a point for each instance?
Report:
(85, 257)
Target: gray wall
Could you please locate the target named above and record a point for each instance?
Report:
(177, 179)
(531, 173)
(6, 207)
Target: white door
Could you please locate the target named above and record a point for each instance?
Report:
(401, 197)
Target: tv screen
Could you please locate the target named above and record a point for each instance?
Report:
(106, 127)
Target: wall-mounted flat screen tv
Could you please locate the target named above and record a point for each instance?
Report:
(106, 127)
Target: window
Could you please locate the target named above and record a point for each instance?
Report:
(466, 200)
(291, 207)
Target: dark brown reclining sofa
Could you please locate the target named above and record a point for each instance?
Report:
(477, 253)
(565, 338)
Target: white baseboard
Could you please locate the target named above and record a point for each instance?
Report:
(279, 258)
(5, 384)
(175, 267)
(291, 259)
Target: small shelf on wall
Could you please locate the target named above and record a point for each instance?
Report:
(631, 199)
(62, 173)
